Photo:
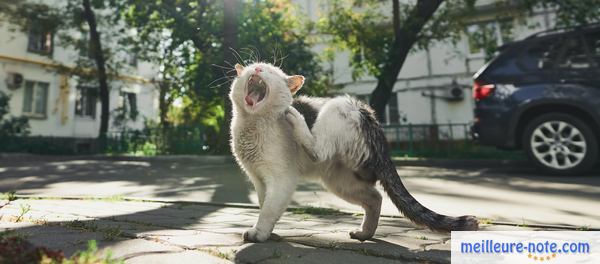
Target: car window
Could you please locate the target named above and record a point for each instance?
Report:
(541, 55)
(592, 44)
(574, 55)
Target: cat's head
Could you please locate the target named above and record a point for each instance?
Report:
(263, 88)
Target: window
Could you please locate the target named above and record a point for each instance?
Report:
(35, 99)
(132, 60)
(542, 55)
(87, 50)
(127, 105)
(592, 44)
(485, 37)
(393, 109)
(132, 103)
(85, 102)
(574, 55)
(39, 41)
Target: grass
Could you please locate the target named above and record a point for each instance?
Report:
(91, 256)
(90, 226)
(228, 255)
(113, 198)
(15, 247)
(25, 208)
(485, 221)
(459, 149)
(112, 233)
(10, 196)
(109, 233)
(315, 211)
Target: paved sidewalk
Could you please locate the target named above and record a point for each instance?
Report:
(156, 232)
(495, 190)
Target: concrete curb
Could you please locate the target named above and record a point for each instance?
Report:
(193, 158)
(456, 163)
(417, 162)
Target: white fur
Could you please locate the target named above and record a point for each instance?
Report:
(273, 145)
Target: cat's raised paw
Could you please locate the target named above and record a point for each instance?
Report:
(360, 235)
(294, 117)
(253, 235)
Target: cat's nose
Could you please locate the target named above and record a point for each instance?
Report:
(258, 69)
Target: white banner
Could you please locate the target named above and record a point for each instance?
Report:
(513, 247)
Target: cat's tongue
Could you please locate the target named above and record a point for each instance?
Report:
(252, 98)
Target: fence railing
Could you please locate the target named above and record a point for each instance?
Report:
(411, 139)
(420, 140)
(173, 140)
(452, 140)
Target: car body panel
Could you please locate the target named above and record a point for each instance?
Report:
(520, 88)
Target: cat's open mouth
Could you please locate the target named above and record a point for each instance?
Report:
(257, 90)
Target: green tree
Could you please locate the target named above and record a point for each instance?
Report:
(200, 46)
(379, 42)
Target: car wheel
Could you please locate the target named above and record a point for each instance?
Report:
(561, 144)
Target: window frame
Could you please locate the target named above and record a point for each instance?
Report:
(85, 101)
(32, 33)
(33, 112)
(498, 35)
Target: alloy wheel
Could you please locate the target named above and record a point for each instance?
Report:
(558, 145)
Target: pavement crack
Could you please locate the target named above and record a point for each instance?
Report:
(144, 253)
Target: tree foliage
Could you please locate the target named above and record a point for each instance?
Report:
(380, 33)
(187, 39)
(10, 125)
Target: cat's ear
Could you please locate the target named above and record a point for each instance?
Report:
(295, 82)
(239, 68)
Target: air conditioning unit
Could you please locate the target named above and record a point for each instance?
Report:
(455, 93)
(14, 80)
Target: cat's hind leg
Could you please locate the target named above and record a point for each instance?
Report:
(351, 187)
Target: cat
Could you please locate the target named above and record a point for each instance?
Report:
(279, 140)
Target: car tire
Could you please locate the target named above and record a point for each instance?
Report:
(561, 144)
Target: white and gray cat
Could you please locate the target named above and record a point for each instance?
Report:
(279, 140)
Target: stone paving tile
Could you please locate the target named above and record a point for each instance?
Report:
(152, 232)
(193, 239)
(286, 252)
(393, 248)
(183, 257)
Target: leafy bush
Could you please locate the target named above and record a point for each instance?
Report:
(14, 248)
(11, 126)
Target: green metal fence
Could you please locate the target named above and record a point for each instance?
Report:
(164, 141)
(452, 140)
(422, 140)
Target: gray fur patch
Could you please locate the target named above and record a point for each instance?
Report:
(380, 164)
(307, 110)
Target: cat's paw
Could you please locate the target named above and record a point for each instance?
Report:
(360, 235)
(294, 117)
(254, 235)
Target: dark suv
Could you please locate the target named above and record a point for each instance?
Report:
(542, 94)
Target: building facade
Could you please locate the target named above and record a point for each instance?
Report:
(434, 85)
(38, 76)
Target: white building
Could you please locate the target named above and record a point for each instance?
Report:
(422, 93)
(59, 104)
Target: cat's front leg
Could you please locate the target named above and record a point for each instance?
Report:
(277, 197)
(302, 133)
(259, 187)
